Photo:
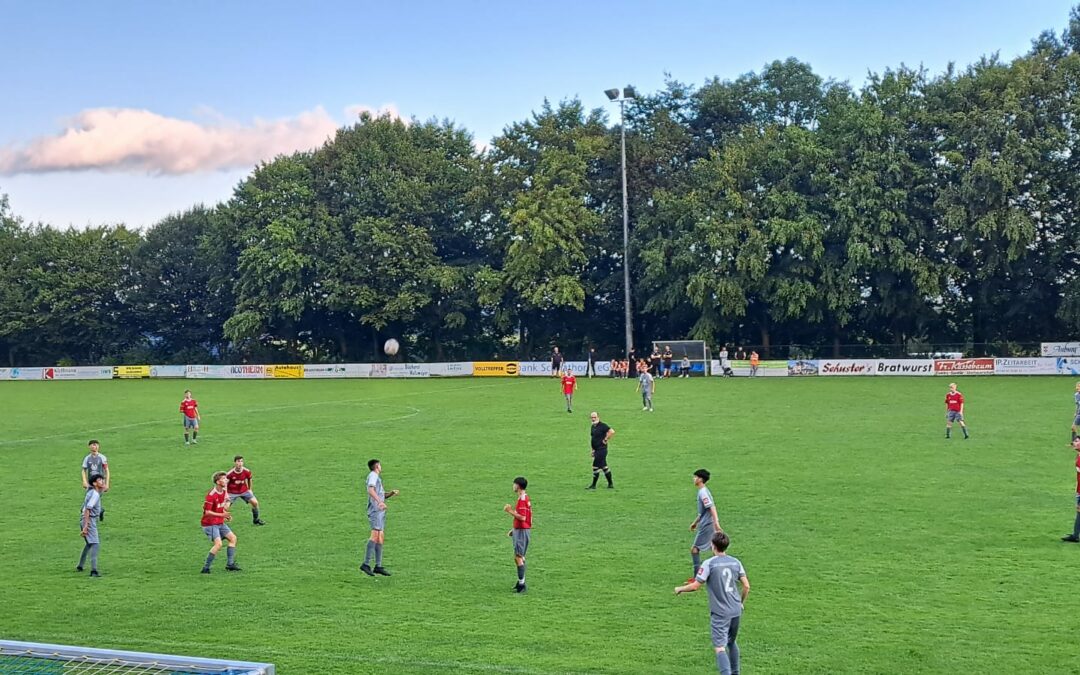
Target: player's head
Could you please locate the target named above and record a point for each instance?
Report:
(1078, 386)
(219, 478)
(594, 416)
(238, 461)
(1076, 443)
(187, 393)
(720, 542)
(93, 445)
(520, 484)
(952, 386)
(701, 476)
(374, 465)
(95, 479)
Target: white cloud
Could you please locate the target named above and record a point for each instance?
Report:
(131, 140)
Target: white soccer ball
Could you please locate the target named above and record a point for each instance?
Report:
(391, 347)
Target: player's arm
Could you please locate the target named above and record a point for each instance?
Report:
(392, 493)
(85, 479)
(85, 521)
(108, 479)
(715, 518)
(513, 512)
(744, 589)
(208, 510)
(688, 588)
(608, 435)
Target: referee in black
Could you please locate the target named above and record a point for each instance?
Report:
(601, 434)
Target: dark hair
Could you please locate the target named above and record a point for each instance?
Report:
(187, 391)
(93, 442)
(371, 464)
(95, 478)
(721, 541)
(703, 474)
(217, 476)
(521, 482)
(237, 457)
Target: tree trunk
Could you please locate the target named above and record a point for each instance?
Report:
(765, 340)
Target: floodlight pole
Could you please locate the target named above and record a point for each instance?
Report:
(613, 94)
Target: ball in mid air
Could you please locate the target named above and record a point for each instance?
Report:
(391, 347)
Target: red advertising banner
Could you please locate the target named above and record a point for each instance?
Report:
(984, 366)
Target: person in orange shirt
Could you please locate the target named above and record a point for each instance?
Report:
(755, 361)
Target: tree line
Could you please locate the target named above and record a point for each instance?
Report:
(776, 208)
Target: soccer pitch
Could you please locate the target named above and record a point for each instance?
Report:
(872, 544)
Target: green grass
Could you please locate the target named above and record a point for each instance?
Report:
(872, 544)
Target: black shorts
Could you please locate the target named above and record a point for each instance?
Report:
(599, 460)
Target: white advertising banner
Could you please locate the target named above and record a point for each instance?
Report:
(168, 371)
(603, 368)
(245, 372)
(534, 368)
(908, 367)
(1068, 365)
(1026, 366)
(22, 373)
(206, 372)
(1061, 348)
(319, 371)
(77, 373)
(456, 369)
(408, 370)
(835, 367)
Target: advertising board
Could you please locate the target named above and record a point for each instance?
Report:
(291, 371)
(979, 366)
(1025, 366)
(802, 367)
(909, 367)
(496, 369)
(131, 372)
(78, 373)
(1061, 348)
(168, 371)
(847, 367)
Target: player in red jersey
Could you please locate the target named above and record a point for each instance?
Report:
(239, 479)
(1075, 536)
(215, 515)
(190, 408)
(522, 514)
(954, 411)
(569, 386)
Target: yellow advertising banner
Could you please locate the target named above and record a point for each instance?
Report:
(495, 369)
(286, 372)
(131, 372)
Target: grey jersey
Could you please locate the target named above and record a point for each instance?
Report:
(92, 501)
(94, 465)
(721, 574)
(646, 380)
(704, 504)
(374, 481)
(1077, 397)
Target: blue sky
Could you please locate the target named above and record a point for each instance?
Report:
(196, 76)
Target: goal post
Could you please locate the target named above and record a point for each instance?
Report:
(695, 350)
(38, 658)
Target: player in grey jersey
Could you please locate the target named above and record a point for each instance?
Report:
(707, 522)
(91, 511)
(1076, 415)
(726, 601)
(646, 384)
(376, 511)
(95, 464)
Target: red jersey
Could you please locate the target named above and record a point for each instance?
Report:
(523, 508)
(215, 501)
(1078, 473)
(954, 400)
(190, 407)
(239, 481)
(568, 384)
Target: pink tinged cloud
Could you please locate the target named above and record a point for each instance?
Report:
(124, 139)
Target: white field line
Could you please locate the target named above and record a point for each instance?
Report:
(169, 420)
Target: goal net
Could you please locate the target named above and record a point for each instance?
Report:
(18, 658)
(695, 350)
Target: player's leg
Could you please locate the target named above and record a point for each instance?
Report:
(1075, 427)
(1075, 536)
(187, 436)
(607, 475)
(369, 553)
(82, 556)
(215, 545)
(230, 551)
(378, 555)
(948, 424)
(720, 639)
(94, 558)
(255, 519)
(195, 431)
(695, 560)
(732, 646)
(963, 426)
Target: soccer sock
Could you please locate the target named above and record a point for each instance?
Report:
(1076, 526)
(378, 555)
(521, 573)
(186, 438)
(370, 552)
(964, 429)
(86, 548)
(93, 556)
(209, 561)
(595, 476)
(194, 435)
(230, 555)
(255, 514)
(723, 663)
(607, 474)
(948, 432)
(696, 557)
(733, 657)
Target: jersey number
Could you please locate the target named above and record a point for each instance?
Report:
(729, 581)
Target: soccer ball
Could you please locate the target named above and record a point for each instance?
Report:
(391, 347)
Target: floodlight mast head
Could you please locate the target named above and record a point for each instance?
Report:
(628, 92)
(612, 94)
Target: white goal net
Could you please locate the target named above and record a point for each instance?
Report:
(19, 658)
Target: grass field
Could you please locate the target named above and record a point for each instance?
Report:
(872, 544)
